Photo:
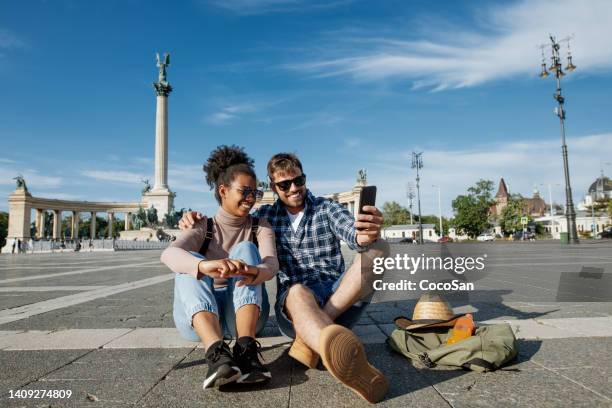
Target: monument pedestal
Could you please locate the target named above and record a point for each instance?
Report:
(19, 220)
(162, 200)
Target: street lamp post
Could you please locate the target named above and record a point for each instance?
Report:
(417, 163)
(440, 208)
(557, 70)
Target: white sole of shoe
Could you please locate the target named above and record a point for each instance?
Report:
(242, 379)
(218, 382)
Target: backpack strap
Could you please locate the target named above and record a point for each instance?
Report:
(481, 365)
(208, 236)
(254, 228)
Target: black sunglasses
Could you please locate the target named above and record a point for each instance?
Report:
(247, 191)
(285, 185)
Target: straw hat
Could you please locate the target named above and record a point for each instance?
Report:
(432, 310)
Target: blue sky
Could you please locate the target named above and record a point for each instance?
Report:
(345, 84)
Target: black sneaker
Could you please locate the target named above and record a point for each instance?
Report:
(246, 354)
(222, 369)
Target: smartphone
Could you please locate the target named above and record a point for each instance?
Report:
(367, 197)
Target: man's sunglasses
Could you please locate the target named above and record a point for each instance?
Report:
(247, 191)
(285, 185)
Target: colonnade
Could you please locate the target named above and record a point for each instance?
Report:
(56, 225)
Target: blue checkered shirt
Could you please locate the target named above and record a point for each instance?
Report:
(312, 252)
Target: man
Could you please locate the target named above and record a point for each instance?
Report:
(318, 301)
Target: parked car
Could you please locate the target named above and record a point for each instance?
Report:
(524, 236)
(605, 234)
(406, 240)
(485, 237)
(445, 239)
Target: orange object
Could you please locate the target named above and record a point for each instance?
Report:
(464, 328)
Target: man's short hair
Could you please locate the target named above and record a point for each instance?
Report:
(284, 163)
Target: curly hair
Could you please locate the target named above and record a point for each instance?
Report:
(223, 164)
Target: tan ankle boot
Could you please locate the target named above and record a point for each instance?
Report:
(344, 357)
(304, 354)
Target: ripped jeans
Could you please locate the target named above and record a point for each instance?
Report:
(192, 296)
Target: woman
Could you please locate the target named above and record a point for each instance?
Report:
(219, 285)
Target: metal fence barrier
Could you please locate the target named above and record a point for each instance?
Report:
(90, 245)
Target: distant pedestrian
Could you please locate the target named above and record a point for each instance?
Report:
(14, 244)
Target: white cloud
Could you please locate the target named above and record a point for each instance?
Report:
(504, 47)
(187, 177)
(8, 39)
(32, 177)
(229, 112)
(351, 142)
(319, 119)
(117, 176)
(524, 165)
(253, 7)
(321, 187)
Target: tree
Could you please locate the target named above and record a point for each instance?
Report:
(395, 214)
(472, 210)
(511, 214)
(3, 228)
(435, 220)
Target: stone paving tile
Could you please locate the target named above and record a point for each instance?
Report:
(9, 340)
(85, 393)
(60, 340)
(21, 367)
(9, 300)
(151, 338)
(572, 353)
(115, 377)
(183, 386)
(150, 306)
(597, 377)
(511, 389)
(369, 333)
(407, 388)
(102, 364)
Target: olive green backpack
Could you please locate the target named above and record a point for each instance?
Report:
(487, 350)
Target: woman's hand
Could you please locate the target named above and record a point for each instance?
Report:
(223, 268)
(250, 277)
(189, 219)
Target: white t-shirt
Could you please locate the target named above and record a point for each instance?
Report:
(295, 219)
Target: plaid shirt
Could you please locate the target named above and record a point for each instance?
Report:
(312, 252)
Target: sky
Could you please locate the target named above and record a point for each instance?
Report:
(345, 84)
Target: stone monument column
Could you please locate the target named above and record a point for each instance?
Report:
(92, 226)
(161, 137)
(41, 224)
(160, 195)
(127, 222)
(57, 224)
(111, 220)
(74, 230)
(38, 221)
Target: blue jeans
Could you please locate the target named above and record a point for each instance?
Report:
(322, 291)
(192, 296)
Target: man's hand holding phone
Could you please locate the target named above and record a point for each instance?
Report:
(368, 224)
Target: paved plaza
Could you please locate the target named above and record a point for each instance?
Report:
(100, 325)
